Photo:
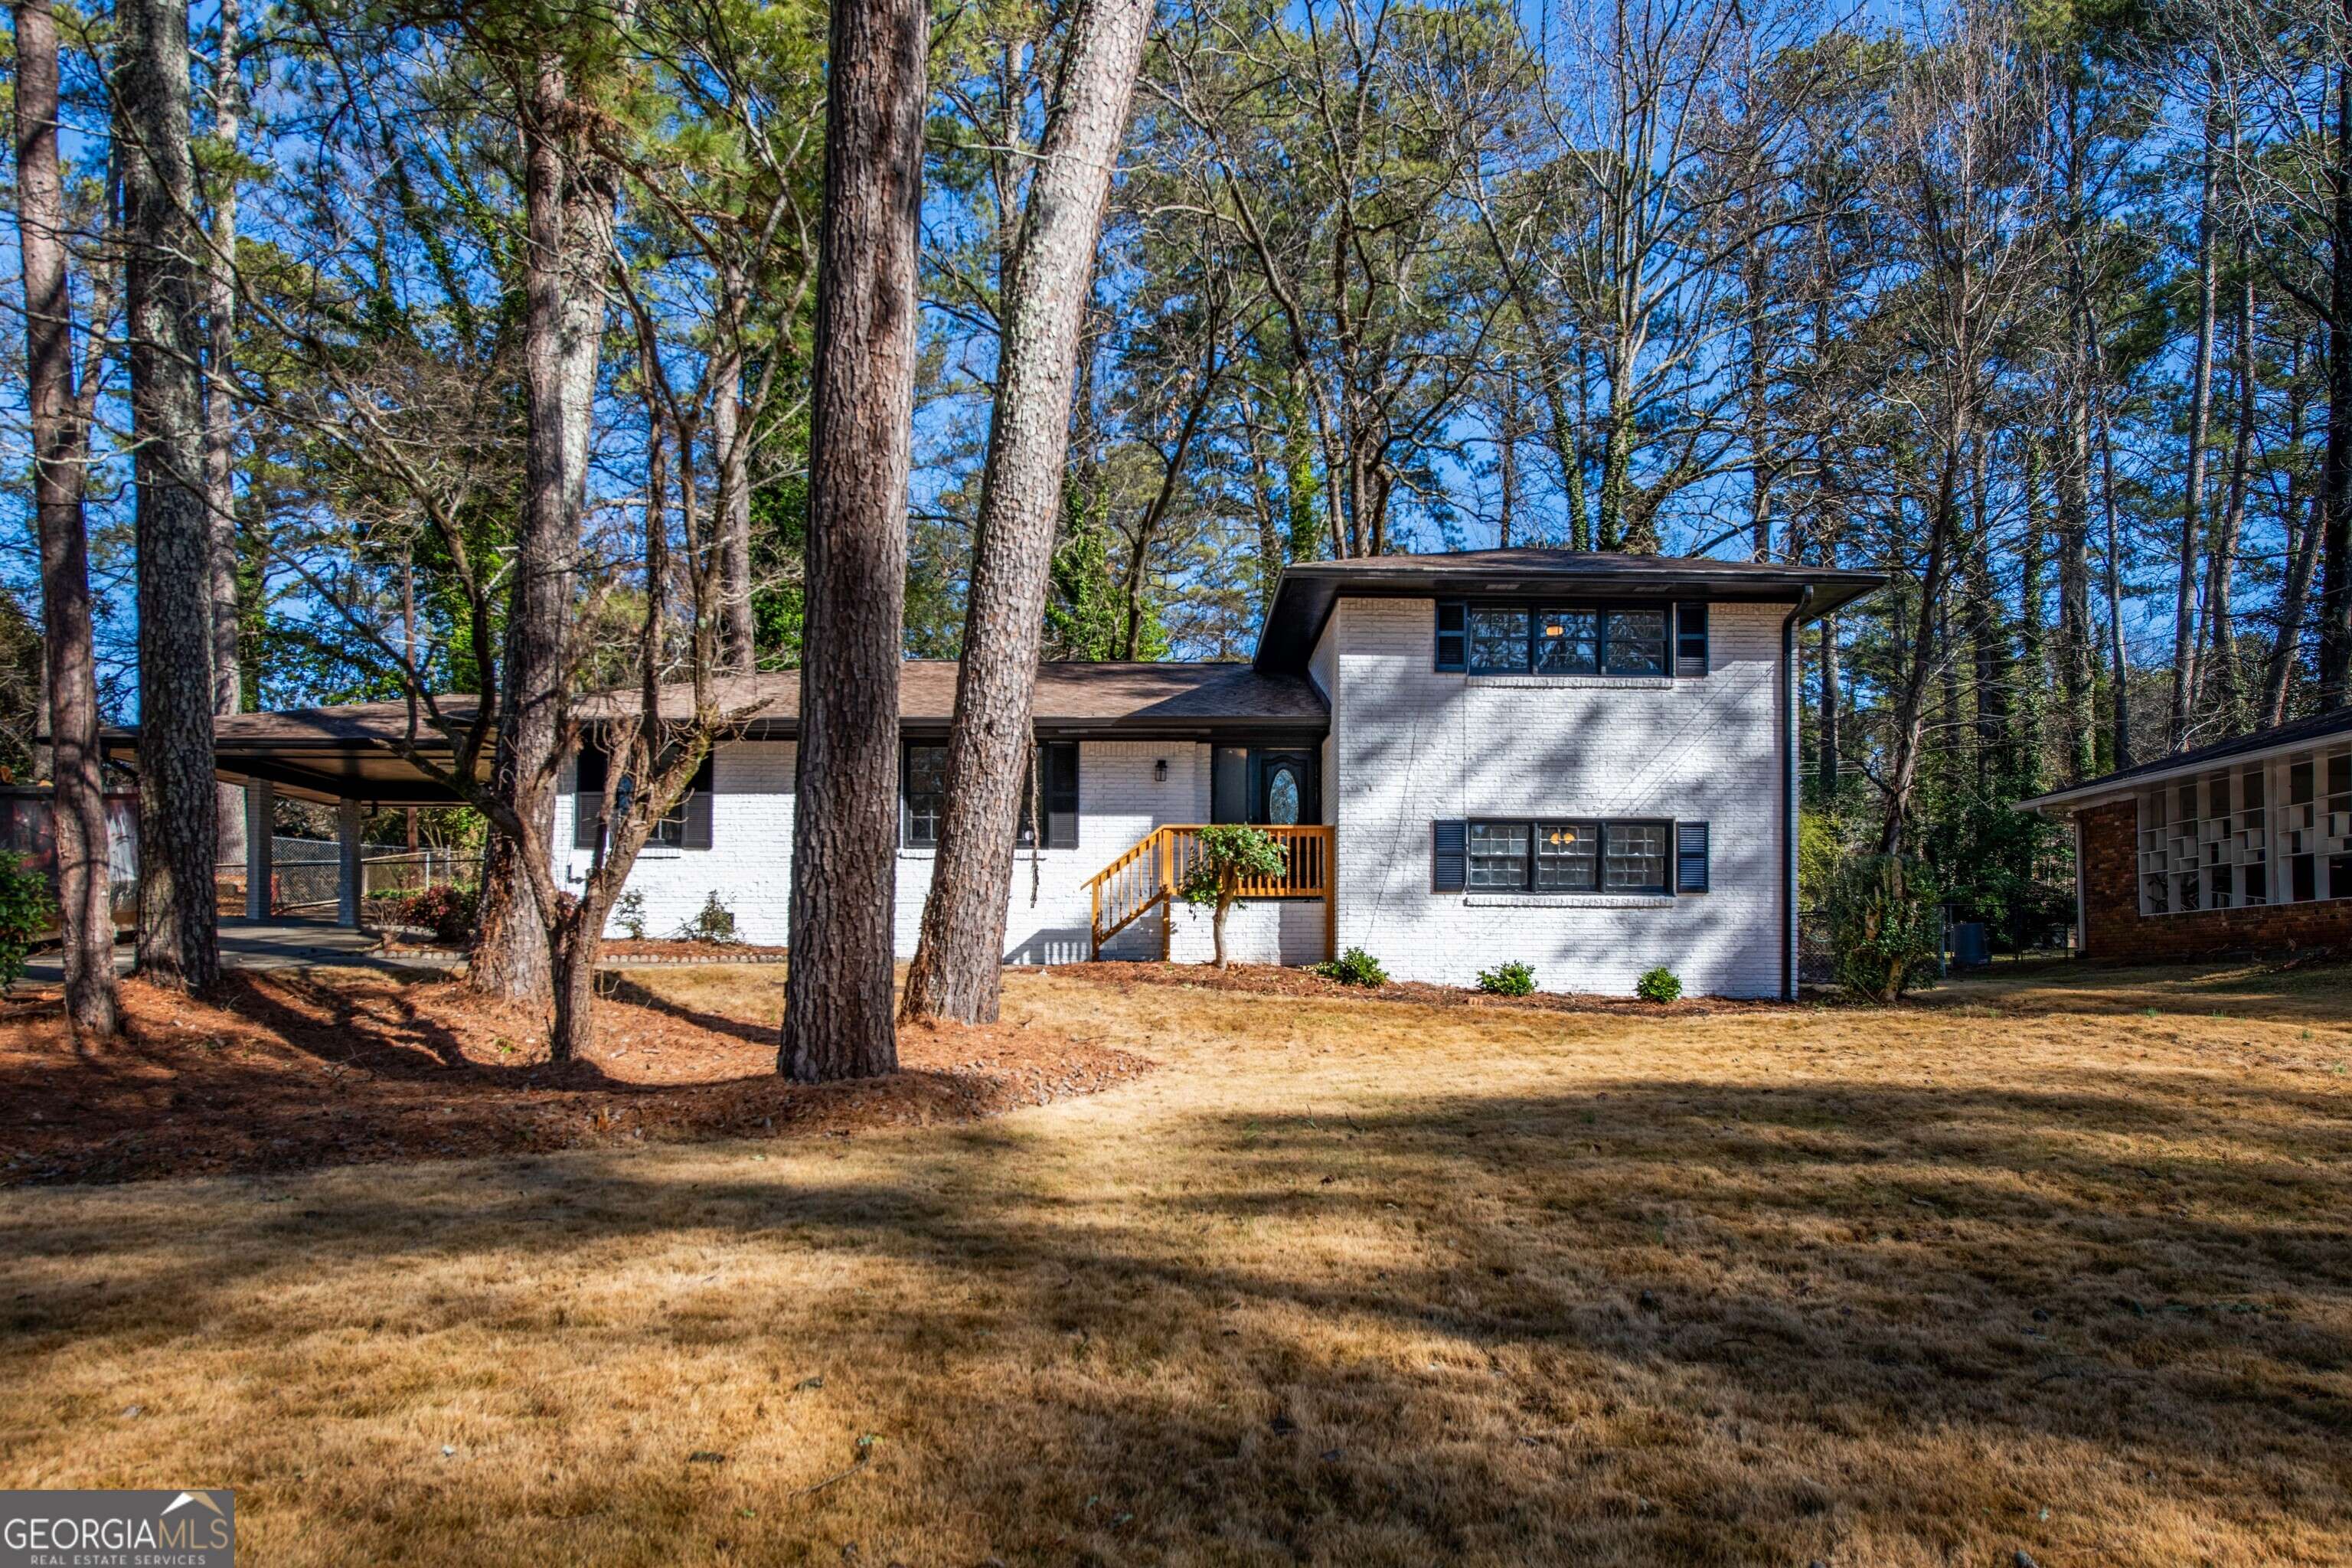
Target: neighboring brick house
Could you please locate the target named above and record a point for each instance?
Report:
(1583, 761)
(2241, 846)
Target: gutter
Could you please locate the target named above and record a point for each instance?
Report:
(1789, 729)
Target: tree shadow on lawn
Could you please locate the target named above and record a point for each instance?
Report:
(1649, 1321)
(2257, 991)
(285, 1071)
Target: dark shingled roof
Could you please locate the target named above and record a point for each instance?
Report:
(1303, 600)
(350, 749)
(1139, 696)
(2281, 737)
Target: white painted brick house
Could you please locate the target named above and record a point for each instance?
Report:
(1585, 762)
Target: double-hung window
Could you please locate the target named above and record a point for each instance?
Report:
(1568, 642)
(687, 826)
(1498, 639)
(923, 797)
(1633, 642)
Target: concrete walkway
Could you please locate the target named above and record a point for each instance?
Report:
(272, 944)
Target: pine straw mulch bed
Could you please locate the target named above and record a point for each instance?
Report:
(412, 942)
(290, 1069)
(1273, 980)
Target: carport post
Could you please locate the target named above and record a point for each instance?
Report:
(347, 846)
(260, 812)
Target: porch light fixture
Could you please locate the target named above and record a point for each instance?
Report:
(1160, 771)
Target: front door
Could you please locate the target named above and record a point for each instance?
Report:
(1267, 784)
(1286, 794)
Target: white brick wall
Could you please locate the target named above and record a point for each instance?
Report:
(1410, 746)
(749, 864)
(750, 861)
(1267, 930)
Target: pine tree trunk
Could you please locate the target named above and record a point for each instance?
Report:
(2118, 660)
(2303, 554)
(2334, 606)
(568, 196)
(837, 1014)
(732, 453)
(178, 821)
(220, 422)
(1922, 654)
(2033, 651)
(2222, 557)
(958, 961)
(85, 922)
(2185, 674)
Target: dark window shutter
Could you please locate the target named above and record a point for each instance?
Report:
(588, 799)
(1450, 855)
(697, 820)
(1690, 856)
(1061, 795)
(1690, 638)
(1452, 635)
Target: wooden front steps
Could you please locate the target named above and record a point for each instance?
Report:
(1149, 875)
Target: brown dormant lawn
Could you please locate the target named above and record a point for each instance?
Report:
(2058, 1263)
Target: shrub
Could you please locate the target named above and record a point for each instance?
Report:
(629, 914)
(1512, 979)
(448, 911)
(1884, 926)
(26, 914)
(1231, 855)
(715, 923)
(1658, 983)
(1354, 967)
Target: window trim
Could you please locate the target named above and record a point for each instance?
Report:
(1463, 660)
(1528, 825)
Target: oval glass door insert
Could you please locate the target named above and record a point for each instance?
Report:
(1282, 795)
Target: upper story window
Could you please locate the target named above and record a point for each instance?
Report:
(1524, 638)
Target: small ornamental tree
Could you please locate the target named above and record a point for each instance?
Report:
(1230, 855)
(1884, 926)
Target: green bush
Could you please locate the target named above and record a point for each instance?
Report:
(26, 914)
(1231, 855)
(1512, 979)
(629, 914)
(715, 923)
(1658, 984)
(1354, 967)
(448, 911)
(1884, 926)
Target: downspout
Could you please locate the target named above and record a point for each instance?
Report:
(1789, 793)
(2082, 916)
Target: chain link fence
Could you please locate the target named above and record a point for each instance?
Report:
(306, 874)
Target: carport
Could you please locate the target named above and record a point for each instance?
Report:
(347, 757)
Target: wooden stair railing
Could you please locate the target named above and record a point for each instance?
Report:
(1148, 875)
